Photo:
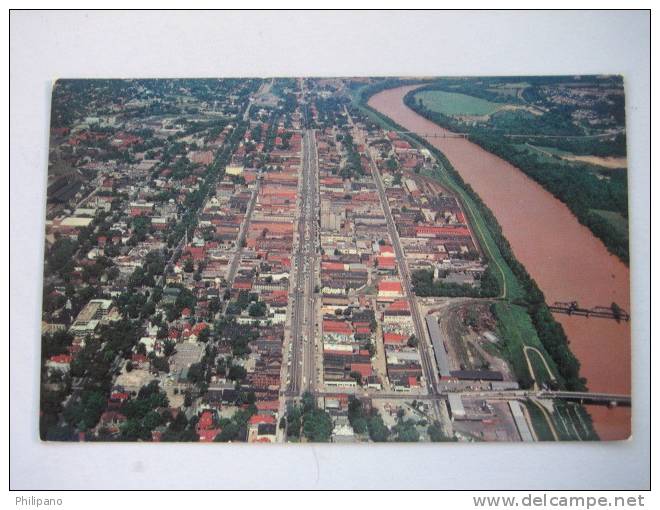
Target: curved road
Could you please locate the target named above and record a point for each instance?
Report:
(529, 364)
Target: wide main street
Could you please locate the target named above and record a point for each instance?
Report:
(303, 319)
(311, 260)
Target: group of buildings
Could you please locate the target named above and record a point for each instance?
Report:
(366, 327)
(176, 223)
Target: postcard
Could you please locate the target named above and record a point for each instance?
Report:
(344, 260)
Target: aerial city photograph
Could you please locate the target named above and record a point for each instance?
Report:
(338, 260)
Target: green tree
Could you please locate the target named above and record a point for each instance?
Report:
(257, 309)
(294, 421)
(229, 432)
(356, 415)
(378, 431)
(169, 347)
(317, 425)
(237, 373)
(161, 364)
(435, 432)
(204, 335)
(308, 401)
(406, 431)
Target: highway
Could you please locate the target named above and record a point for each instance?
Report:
(303, 315)
(311, 258)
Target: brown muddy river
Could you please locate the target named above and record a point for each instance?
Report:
(567, 261)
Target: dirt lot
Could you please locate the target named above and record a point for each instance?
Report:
(135, 379)
(607, 162)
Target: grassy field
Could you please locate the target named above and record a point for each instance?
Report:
(453, 103)
(566, 422)
(547, 154)
(571, 422)
(563, 423)
(539, 422)
(540, 371)
(516, 330)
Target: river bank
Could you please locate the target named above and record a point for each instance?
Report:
(567, 261)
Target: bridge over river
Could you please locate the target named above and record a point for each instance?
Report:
(604, 312)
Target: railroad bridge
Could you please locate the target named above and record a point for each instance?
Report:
(604, 312)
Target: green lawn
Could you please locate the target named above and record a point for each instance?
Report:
(453, 103)
(538, 366)
(567, 423)
(573, 422)
(539, 422)
(515, 328)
